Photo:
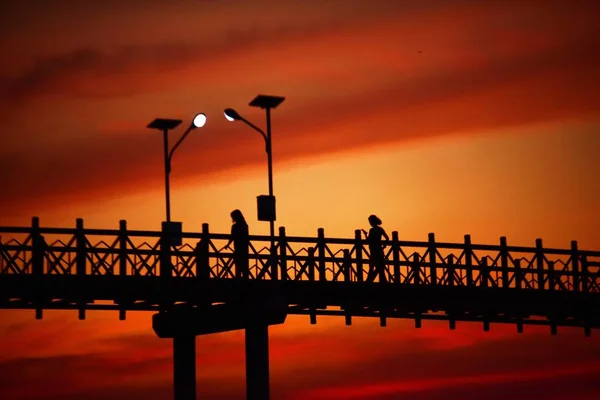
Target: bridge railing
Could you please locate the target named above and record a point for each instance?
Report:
(122, 252)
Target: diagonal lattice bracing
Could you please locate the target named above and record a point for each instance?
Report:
(485, 266)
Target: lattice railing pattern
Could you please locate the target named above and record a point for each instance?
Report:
(79, 251)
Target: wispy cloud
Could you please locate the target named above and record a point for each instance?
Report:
(423, 362)
(454, 75)
(550, 383)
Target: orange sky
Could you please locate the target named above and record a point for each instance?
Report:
(450, 117)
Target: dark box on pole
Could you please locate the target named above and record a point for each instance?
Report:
(266, 208)
(175, 232)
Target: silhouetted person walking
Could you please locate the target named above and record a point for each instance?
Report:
(239, 237)
(374, 236)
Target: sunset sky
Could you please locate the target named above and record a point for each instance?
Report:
(451, 117)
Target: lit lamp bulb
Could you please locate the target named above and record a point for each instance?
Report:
(199, 120)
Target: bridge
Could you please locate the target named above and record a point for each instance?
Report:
(190, 281)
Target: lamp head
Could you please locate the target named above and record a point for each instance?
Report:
(199, 121)
(164, 124)
(231, 115)
(263, 101)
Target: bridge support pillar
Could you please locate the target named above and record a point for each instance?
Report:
(184, 367)
(183, 324)
(257, 362)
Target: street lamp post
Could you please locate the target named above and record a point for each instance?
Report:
(184, 345)
(257, 335)
(165, 125)
(267, 103)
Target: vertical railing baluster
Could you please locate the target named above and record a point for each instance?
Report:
(274, 263)
(450, 271)
(539, 255)
(122, 265)
(311, 264)
(80, 266)
(283, 253)
(518, 274)
(396, 256)
(347, 266)
(416, 270)
(38, 248)
(123, 247)
(359, 255)
(504, 262)
(584, 274)
(575, 265)
(585, 288)
(80, 256)
(431, 248)
(484, 272)
(417, 280)
(469, 260)
(551, 276)
(321, 254)
(201, 252)
(166, 267)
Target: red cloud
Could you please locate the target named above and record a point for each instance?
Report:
(477, 68)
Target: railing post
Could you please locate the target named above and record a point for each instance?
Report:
(321, 254)
(539, 254)
(201, 253)
(396, 256)
(274, 263)
(551, 276)
(283, 253)
(575, 265)
(450, 271)
(38, 245)
(80, 265)
(416, 269)
(347, 266)
(504, 262)
(518, 274)
(432, 258)
(469, 260)
(81, 256)
(586, 284)
(166, 269)
(359, 261)
(123, 248)
(484, 272)
(311, 264)
(122, 262)
(584, 274)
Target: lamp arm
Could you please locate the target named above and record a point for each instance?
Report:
(256, 128)
(178, 143)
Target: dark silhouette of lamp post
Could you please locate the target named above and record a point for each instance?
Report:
(266, 204)
(165, 125)
(184, 344)
(257, 335)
